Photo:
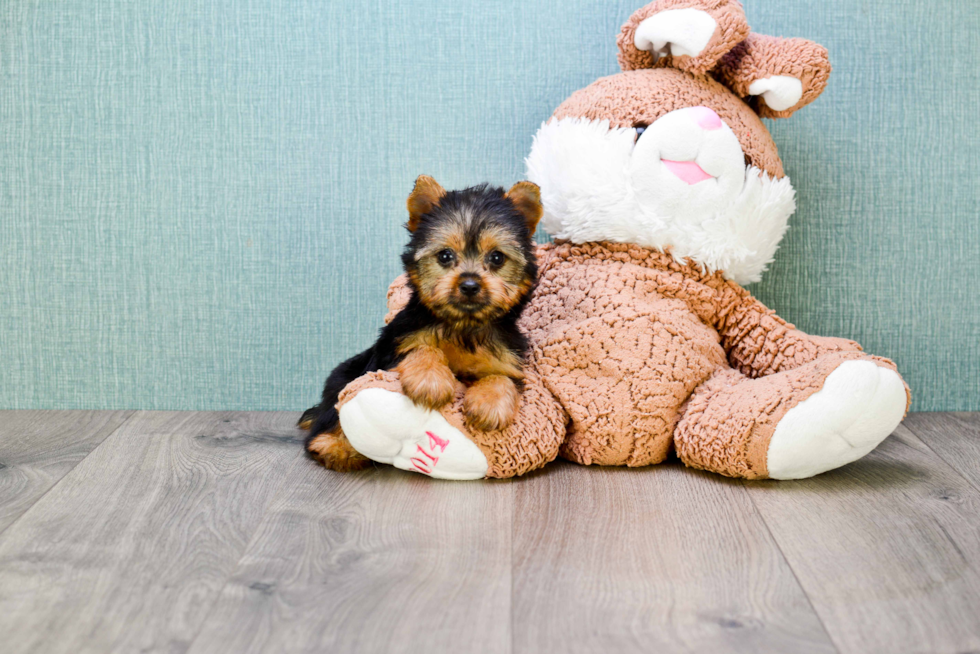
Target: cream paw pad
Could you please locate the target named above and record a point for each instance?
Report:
(388, 427)
(859, 405)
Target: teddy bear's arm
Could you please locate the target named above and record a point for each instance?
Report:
(760, 343)
(398, 295)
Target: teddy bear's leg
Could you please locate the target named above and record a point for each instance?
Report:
(384, 425)
(792, 424)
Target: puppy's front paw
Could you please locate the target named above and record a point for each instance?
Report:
(429, 386)
(491, 403)
(335, 452)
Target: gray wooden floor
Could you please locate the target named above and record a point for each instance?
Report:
(210, 532)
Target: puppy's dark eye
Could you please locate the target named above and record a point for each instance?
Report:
(496, 259)
(640, 128)
(445, 257)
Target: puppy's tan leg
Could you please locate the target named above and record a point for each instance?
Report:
(334, 451)
(491, 402)
(426, 377)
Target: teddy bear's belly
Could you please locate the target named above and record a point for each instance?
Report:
(622, 369)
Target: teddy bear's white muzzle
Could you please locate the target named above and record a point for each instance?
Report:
(683, 183)
(687, 162)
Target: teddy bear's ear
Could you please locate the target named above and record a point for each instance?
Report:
(691, 35)
(526, 197)
(776, 76)
(423, 199)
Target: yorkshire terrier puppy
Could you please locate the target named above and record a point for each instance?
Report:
(471, 268)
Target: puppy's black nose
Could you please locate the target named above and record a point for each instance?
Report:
(469, 287)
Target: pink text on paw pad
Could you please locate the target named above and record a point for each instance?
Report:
(427, 461)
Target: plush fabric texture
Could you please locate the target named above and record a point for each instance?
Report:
(730, 29)
(732, 223)
(729, 421)
(643, 96)
(760, 56)
(527, 444)
(634, 353)
(859, 404)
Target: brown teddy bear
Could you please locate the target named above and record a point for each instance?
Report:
(664, 192)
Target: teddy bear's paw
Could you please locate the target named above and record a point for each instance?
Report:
(388, 427)
(859, 405)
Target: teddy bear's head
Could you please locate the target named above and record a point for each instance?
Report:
(671, 153)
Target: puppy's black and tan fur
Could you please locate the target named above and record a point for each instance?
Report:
(471, 268)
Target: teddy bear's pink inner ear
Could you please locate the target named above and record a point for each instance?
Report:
(779, 75)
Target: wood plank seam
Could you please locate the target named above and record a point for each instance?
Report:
(923, 568)
(789, 565)
(126, 420)
(292, 470)
(921, 434)
(184, 462)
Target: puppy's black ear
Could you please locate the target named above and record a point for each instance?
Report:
(423, 199)
(526, 197)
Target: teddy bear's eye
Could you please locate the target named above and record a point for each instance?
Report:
(639, 128)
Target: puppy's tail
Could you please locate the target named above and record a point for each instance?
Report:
(309, 417)
(318, 420)
(323, 417)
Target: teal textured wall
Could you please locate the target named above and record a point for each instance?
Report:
(200, 202)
